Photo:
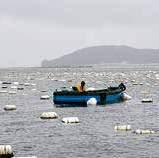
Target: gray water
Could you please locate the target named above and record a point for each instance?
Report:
(94, 136)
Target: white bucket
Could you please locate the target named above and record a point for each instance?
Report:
(92, 101)
(126, 96)
(70, 120)
(48, 115)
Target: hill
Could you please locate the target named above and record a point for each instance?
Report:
(105, 54)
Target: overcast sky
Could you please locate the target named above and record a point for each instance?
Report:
(33, 30)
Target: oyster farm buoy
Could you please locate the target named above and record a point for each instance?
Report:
(6, 151)
(147, 100)
(144, 131)
(9, 107)
(123, 127)
(45, 97)
(48, 115)
(70, 120)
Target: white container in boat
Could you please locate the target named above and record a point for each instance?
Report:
(90, 89)
(9, 107)
(92, 101)
(6, 150)
(45, 97)
(70, 120)
(145, 131)
(123, 127)
(48, 115)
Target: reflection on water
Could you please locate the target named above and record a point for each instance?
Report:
(94, 136)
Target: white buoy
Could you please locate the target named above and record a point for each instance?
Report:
(48, 115)
(6, 150)
(45, 97)
(70, 120)
(92, 101)
(145, 131)
(4, 87)
(3, 91)
(26, 84)
(147, 100)
(13, 87)
(9, 107)
(12, 92)
(33, 84)
(126, 96)
(123, 127)
(16, 83)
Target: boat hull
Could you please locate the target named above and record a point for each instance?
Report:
(78, 100)
(73, 98)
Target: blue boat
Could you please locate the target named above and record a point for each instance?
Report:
(66, 98)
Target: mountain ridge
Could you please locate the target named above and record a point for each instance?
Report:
(105, 55)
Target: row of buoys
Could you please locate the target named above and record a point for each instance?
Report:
(143, 131)
(17, 83)
(27, 157)
(53, 115)
(128, 128)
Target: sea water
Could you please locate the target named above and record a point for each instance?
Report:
(94, 136)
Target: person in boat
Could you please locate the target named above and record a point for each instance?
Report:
(80, 87)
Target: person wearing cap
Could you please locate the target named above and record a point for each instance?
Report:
(80, 87)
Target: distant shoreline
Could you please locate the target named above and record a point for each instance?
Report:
(87, 66)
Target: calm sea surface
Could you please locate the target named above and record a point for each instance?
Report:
(94, 136)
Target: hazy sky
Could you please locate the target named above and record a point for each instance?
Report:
(33, 30)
